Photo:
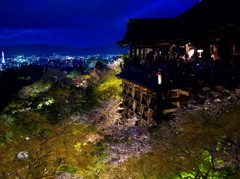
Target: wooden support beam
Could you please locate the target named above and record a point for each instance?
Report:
(140, 53)
(141, 102)
(185, 93)
(133, 92)
(134, 104)
(167, 111)
(135, 52)
(131, 52)
(186, 51)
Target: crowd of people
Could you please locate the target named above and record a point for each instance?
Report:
(180, 69)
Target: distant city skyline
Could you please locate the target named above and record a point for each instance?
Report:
(52, 61)
(78, 23)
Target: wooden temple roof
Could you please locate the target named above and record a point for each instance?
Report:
(150, 30)
(208, 18)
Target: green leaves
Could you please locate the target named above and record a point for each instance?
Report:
(49, 147)
(7, 120)
(40, 122)
(109, 88)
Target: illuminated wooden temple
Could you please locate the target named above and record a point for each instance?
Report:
(146, 99)
(207, 34)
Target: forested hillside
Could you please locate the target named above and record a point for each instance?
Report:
(70, 125)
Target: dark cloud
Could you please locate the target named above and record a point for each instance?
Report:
(11, 33)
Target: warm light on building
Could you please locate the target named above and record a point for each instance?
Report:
(200, 51)
(191, 53)
(159, 79)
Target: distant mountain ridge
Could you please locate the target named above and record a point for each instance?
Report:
(42, 49)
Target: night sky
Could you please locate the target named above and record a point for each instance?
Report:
(78, 23)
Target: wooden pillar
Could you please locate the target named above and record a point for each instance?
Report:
(186, 52)
(149, 114)
(131, 52)
(133, 92)
(144, 53)
(140, 53)
(154, 50)
(170, 51)
(149, 98)
(135, 52)
(215, 52)
(134, 106)
(159, 112)
(206, 52)
(141, 96)
(141, 110)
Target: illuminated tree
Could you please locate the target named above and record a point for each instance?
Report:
(201, 142)
(62, 101)
(33, 148)
(39, 138)
(74, 73)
